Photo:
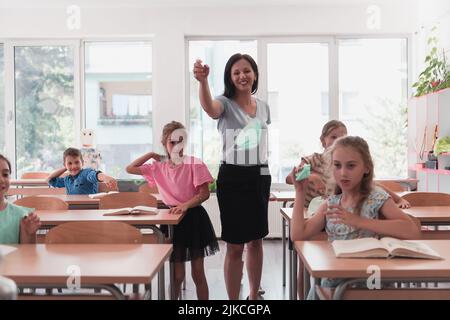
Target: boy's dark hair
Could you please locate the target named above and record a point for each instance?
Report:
(72, 152)
(2, 157)
(230, 89)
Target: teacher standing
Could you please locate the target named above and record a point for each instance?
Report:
(243, 183)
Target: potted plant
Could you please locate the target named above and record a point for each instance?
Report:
(436, 75)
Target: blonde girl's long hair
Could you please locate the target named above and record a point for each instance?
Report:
(359, 145)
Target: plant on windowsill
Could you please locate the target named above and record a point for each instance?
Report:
(436, 75)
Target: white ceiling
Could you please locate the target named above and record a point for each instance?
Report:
(186, 3)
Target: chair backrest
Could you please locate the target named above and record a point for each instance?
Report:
(42, 203)
(127, 199)
(422, 199)
(34, 175)
(104, 232)
(102, 187)
(392, 186)
(147, 189)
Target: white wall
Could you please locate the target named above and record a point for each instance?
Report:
(169, 24)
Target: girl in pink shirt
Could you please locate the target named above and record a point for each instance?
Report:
(182, 182)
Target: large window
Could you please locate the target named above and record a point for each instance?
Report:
(44, 106)
(205, 141)
(372, 94)
(2, 101)
(362, 82)
(118, 101)
(297, 87)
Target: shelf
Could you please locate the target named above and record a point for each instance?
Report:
(436, 171)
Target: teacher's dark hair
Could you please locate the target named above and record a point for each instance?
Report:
(230, 89)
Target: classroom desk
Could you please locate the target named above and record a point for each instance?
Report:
(320, 262)
(77, 201)
(29, 183)
(100, 265)
(285, 197)
(431, 216)
(51, 218)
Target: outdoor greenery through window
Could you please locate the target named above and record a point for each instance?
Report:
(118, 101)
(44, 106)
(373, 96)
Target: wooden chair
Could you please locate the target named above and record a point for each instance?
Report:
(145, 188)
(102, 187)
(131, 199)
(425, 199)
(42, 203)
(34, 175)
(104, 232)
(391, 185)
(127, 199)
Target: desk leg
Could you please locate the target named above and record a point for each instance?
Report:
(294, 274)
(306, 281)
(283, 241)
(290, 268)
(171, 268)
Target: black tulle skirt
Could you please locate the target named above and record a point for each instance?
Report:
(193, 237)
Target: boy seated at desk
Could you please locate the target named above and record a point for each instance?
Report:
(78, 180)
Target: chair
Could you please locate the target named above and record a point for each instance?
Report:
(42, 203)
(104, 232)
(145, 188)
(131, 199)
(102, 187)
(391, 185)
(34, 175)
(425, 199)
(127, 199)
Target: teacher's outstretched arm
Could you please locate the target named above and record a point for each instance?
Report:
(212, 107)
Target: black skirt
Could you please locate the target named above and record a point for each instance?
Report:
(243, 195)
(194, 237)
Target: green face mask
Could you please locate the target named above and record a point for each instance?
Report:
(249, 136)
(306, 171)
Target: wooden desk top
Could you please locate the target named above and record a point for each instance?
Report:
(57, 217)
(29, 182)
(98, 263)
(74, 198)
(319, 259)
(282, 196)
(430, 214)
(287, 213)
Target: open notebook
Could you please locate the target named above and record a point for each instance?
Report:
(384, 248)
(138, 210)
(101, 194)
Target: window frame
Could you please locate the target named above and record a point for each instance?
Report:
(333, 65)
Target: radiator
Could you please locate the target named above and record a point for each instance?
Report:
(212, 207)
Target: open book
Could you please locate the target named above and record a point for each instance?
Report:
(384, 248)
(101, 194)
(4, 250)
(135, 210)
